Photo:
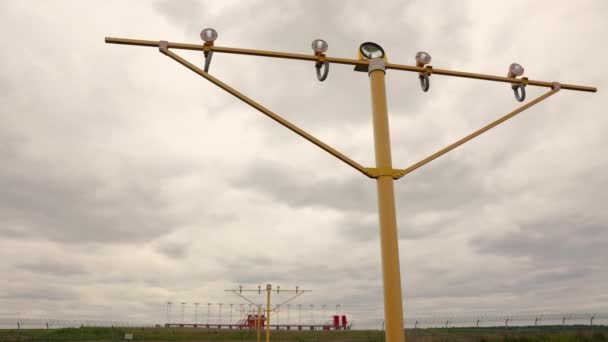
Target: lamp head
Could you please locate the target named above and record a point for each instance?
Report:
(515, 70)
(422, 58)
(369, 50)
(209, 35)
(319, 46)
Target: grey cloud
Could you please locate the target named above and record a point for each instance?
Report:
(365, 229)
(439, 187)
(301, 97)
(41, 293)
(276, 181)
(73, 119)
(567, 240)
(52, 202)
(54, 268)
(173, 250)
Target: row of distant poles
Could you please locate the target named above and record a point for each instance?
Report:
(241, 309)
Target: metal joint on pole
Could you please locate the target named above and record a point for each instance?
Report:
(556, 86)
(376, 64)
(163, 46)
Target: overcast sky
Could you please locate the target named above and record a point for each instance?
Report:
(127, 181)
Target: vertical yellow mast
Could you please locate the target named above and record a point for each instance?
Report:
(389, 241)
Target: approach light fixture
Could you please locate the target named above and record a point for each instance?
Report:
(208, 35)
(515, 70)
(371, 50)
(319, 46)
(422, 59)
(519, 89)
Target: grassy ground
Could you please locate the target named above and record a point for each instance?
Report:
(558, 334)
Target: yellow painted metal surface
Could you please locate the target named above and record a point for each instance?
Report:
(335, 60)
(389, 242)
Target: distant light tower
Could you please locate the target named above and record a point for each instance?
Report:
(323, 313)
(196, 313)
(231, 313)
(312, 314)
(277, 310)
(208, 313)
(288, 312)
(300, 313)
(220, 305)
(169, 311)
(183, 310)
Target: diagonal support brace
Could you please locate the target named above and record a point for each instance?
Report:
(402, 172)
(163, 48)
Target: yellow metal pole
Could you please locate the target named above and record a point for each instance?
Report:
(268, 288)
(389, 242)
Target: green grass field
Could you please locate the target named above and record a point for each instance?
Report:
(513, 334)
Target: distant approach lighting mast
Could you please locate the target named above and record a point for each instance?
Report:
(231, 313)
(208, 313)
(220, 305)
(169, 312)
(196, 313)
(373, 61)
(300, 313)
(239, 292)
(183, 310)
(312, 314)
(324, 305)
(288, 314)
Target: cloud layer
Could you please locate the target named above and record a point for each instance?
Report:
(128, 181)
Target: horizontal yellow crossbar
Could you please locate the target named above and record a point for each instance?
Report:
(347, 61)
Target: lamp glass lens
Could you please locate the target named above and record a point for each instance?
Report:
(319, 45)
(423, 57)
(371, 50)
(208, 34)
(516, 69)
